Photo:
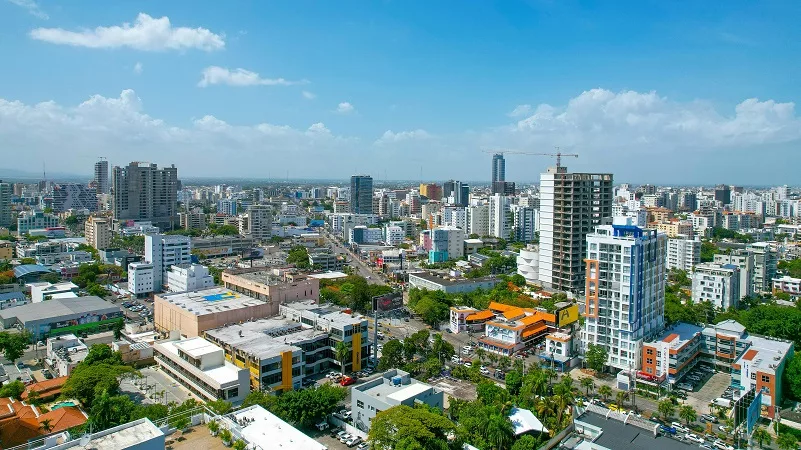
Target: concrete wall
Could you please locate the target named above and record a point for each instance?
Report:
(168, 317)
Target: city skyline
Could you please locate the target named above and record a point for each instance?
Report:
(207, 88)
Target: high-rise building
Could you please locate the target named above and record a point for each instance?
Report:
(227, 206)
(500, 220)
(142, 191)
(98, 232)
(744, 260)
(261, 221)
(718, 284)
(524, 223)
(503, 187)
(498, 168)
(361, 194)
(683, 253)
(101, 177)
(164, 251)
(432, 191)
(6, 218)
(478, 220)
(457, 191)
(571, 205)
(765, 262)
(723, 194)
(73, 196)
(625, 290)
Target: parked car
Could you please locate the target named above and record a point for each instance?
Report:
(667, 430)
(363, 446)
(345, 437)
(694, 438)
(353, 441)
(709, 418)
(347, 381)
(679, 427)
(468, 364)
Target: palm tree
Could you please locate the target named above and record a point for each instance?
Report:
(666, 408)
(46, 425)
(787, 441)
(605, 391)
(545, 407)
(687, 413)
(620, 397)
(761, 436)
(481, 353)
(520, 366)
(551, 374)
(588, 384)
(341, 352)
(564, 398)
(33, 397)
(499, 431)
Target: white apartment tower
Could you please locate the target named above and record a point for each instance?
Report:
(500, 220)
(571, 205)
(718, 284)
(625, 290)
(478, 220)
(164, 251)
(261, 221)
(683, 253)
(524, 223)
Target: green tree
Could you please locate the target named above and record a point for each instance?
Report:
(761, 436)
(13, 389)
(263, 399)
(605, 391)
(514, 381)
(299, 256)
(518, 280)
(33, 397)
(666, 408)
(14, 344)
(308, 407)
(220, 406)
(391, 355)
(687, 413)
(46, 425)
(442, 349)
(491, 394)
(787, 441)
(596, 357)
(110, 410)
(620, 398)
(526, 442)
(404, 427)
(118, 327)
(341, 353)
(587, 383)
(97, 374)
(499, 431)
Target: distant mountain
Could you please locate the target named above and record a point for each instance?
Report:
(15, 175)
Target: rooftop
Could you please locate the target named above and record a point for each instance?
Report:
(265, 338)
(383, 388)
(679, 334)
(451, 281)
(263, 277)
(226, 373)
(525, 421)
(58, 308)
(126, 435)
(209, 301)
(765, 353)
(617, 435)
(268, 431)
(328, 275)
(196, 347)
(331, 313)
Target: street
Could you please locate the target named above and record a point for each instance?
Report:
(355, 262)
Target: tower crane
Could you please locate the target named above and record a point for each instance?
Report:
(558, 154)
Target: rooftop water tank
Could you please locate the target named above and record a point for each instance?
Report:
(396, 381)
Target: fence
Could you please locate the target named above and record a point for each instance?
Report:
(347, 427)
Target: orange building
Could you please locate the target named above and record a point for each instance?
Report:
(20, 422)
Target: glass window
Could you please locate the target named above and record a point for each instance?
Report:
(359, 404)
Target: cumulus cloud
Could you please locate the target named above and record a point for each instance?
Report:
(138, 68)
(146, 34)
(345, 108)
(32, 7)
(239, 77)
(309, 95)
(390, 137)
(520, 110)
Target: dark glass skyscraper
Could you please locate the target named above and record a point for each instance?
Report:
(361, 194)
(498, 168)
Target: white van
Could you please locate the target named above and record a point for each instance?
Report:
(679, 427)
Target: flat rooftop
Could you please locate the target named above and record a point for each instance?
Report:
(265, 338)
(679, 334)
(263, 277)
(328, 275)
(196, 347)
(123, 436)
(451, 281)
(617, 435)
(268, 431)
(210, 301)
(59, 307)
(765, 352)
(226, 373)
(333, 314)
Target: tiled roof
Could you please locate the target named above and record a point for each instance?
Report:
(481, 315)
(46, 387)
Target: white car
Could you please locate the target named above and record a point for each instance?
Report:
(345, 437)
(353, 441)
(484, 371)
(456, 359)
(465, 352)
(694, 438)
(468, 364)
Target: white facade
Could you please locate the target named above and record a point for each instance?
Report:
(44, 291)
(500, 222)
(455, 216)
(361, 234)
(528, 264)
(140, 278)
(525, 223)
(64, 353)
(625, 294)
(188, 277)
(745, 261)
(787, 284)
(394, 235)
(260, 218)
(716, 283)
(455, 242)
(164, 251)
(683, 253)
(478, 220)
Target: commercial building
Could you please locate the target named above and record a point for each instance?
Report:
(164, 251)
(140, 278)
(12, 299)
(279, 352)
(498, 168)
(755, 362)
(675, 228)
(514, 329)
(327, 260)
(787, 284)
(431, 191)
(142, 191)
(137, 435)
(394, 235)
(683, 253)
(456, 192)
(361, 194)
(192, 313)
(571, 205)
(44, 290)
(35, 220)
(468, 319)
(227, 207)
(101, 180)
(201, 367)
(64, 353)
(394, 387)
(98, 232)
(74, 196)
(450, 284)
(718, 284)
(61, 316)
(745, 261)
(188, 277)
(361, 234)
(192, 220)
(625, 290)
(222, 246)
(6, 216)
(264, 285)
(261, 429)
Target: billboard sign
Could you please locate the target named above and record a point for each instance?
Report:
(388, 302)
(747, 409)
(754, 413)
(567, 315)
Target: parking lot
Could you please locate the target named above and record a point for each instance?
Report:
(138, 310)
(707, 389)
(154, 387)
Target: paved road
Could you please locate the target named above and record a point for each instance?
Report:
(355, 262)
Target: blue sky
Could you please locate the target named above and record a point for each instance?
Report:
(329, 88)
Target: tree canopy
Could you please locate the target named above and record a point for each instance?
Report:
(13, 345)
(305, 408)
(596, 356)
(404, 427)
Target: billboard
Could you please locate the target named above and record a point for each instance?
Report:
(747, 409)
(388, 302)
(567, 315)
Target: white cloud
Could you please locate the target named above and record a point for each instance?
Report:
(390, 137)
(309, 95)
(146, 33)
(520, 110)
(345, 108)
(32, 7)
(138, 68)
(239, 77)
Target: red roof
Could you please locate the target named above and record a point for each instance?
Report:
(749, 355)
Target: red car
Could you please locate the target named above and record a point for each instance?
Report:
(347, 381)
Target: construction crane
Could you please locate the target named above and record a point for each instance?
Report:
(558, 154)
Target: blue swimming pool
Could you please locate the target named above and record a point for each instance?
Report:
(63, 404)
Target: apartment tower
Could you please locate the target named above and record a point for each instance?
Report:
(361, 194)
(101, 177)
(142, 191)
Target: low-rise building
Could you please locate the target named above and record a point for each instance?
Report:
(6, 250)
(221, 246)
(787, 284)
(33, 220)
(467, 319)
(137, 435)
(514, 329)
(450, 285)
(61, 316)
(13, 299)
(140, 278)
(201, 367)
(361, 234)
(394, 387)
(717, 284)
(44, 290)
(64, 353)
(326, 260)
(265, 285)
(673, 354)
(188, 277)
(192, 313)
(745, 261)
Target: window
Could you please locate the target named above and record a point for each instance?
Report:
(649, 360)
(765, 378)
(359, 404)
